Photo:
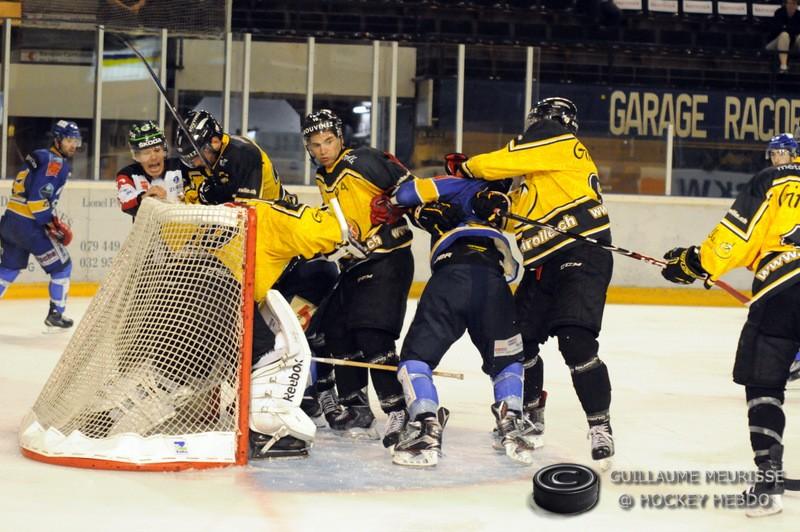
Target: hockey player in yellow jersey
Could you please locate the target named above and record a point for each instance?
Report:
(240, 169)
(760, 232)
(365, 313)
(284, 231)
(563, 289)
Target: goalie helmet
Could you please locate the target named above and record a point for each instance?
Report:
(559, 109)
(144, 135)
(322, 120)
(66, 129)
(784, 141)
(202, 126)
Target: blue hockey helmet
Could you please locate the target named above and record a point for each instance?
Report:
(784, 141)
(66, 129)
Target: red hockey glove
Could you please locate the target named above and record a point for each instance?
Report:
(59, 230)
(383, 211)
(453, 162)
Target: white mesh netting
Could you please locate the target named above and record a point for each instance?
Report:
(152, 372)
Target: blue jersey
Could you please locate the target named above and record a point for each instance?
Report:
(38, 186)
(457, 191)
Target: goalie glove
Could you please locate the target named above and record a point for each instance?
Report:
(683, 266)
(486, 205)
(59, 230)
(453, 162)
(383, 211)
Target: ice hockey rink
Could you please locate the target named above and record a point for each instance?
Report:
(674, 408)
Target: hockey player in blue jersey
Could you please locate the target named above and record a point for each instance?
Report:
(30, 224)
(468, 290)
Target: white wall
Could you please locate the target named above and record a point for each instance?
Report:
(647, 224)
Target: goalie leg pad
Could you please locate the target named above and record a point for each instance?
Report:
(279, 418)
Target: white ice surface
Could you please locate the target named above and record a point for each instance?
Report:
(674, 408)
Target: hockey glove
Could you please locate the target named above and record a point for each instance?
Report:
(59, 230)
(683, 266)
(383, 211)
(488, 204)
(453, 162)
(438, 218)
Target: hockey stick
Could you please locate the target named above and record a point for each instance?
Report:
(163, 92)
(743, 299)
(337, 362)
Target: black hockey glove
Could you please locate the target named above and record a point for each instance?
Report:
(438, 218)
(487, 203)
(212, 192)
(683, 266)
(453, 162)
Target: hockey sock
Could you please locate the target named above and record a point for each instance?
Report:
(378, 348)
(59, 287)
(766, 419)
(6, 278)
(593, 387)
(534, 378)
(508, 386)
(420, 393)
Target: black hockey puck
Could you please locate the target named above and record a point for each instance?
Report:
(566, 488)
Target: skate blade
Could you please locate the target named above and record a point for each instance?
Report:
(360, 433)
(49, 329)
(520, 456)
(421, 459)
(775, 507)
(604, 464)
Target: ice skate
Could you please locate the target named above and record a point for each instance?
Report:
(311, 406)
(56, 321)
(602, 443)
(420, 444)
(515, 433)
(277, 446)
(354, 420)
(395, 424)
(765, 497)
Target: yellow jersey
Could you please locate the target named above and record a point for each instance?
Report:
(355, 178)
(761, 232)
(560, 187)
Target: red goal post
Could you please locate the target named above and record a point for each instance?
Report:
(157, 374)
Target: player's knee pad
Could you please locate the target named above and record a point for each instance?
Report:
(376, 345)
(507, 386)
(578, 346)
(416, 378)
(7, 277)
(766, 419)
(63, 272)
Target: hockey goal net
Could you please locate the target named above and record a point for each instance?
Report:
(156, 375)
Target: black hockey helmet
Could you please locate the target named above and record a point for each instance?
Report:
(322, 120)
(202, 126)
(559, 109)
(144, 135)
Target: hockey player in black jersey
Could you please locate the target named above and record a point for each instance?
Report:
(240, 169)
(153, 173)
(761, 233)
(563, 290)
(365, 313)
